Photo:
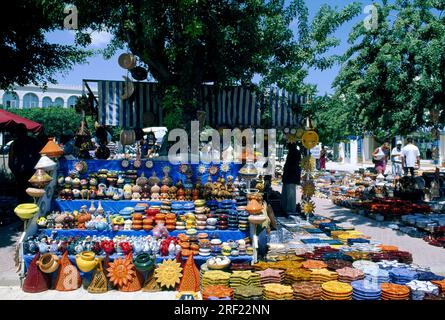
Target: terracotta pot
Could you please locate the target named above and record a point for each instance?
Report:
(48, 263)
(254, 207)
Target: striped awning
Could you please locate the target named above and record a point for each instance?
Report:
(233, 106)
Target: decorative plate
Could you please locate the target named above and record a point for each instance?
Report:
(166, 169)
(137, 164)
(183, 168)
(168, 274)
(202, 169)
(309, 139)
(225, 167)
(81, 167)
(125, 163)
(213, 170)
(149, 164)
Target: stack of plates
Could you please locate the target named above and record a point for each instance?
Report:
(313, 264)
(391, 291)
(241, 266)
(233, 219)
(380, 276)
(429, 296)
(402, 275)
(336, 256)
(212, 205)
(365, 290)
(177, 208)
(335, 264)
(274, 291)
(244, 278)
(323, 275)
(307, 290)
(215, 277)
(365, 266)
(336, 290)
(440, 284)
(243, 220)
(420, 288)
(294, 275)
(248, 293)
(348, 274)
(217, 292)
(428, 276)
(271, 276)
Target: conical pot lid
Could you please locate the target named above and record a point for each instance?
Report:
(52, 149)
(45, 163)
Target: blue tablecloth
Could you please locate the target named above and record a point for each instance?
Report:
(65, 166)
(199, 260)
(108, 205)
(224, 235)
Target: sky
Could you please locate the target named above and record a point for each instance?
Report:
(99, 68)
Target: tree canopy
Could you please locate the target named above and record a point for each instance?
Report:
(185, 43)
(393, 79)
(26, 56)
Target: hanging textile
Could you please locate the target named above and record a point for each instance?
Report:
(232, 106)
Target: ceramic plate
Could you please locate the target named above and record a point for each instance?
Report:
(166, 169)
(149, 164)
(213, 170)
(125, 163)
(202, 169)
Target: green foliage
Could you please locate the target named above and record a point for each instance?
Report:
(330, 116)
(190, 42)
(55, 120)
(26, 55)
(393, 77)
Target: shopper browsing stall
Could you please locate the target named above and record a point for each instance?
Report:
(396, 159)
(291, 178)
(380, 156)
(410, 157)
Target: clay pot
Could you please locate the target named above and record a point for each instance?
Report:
(254, 207)
(48, 263)
(165, 189)
(40, 179)
(86, 261)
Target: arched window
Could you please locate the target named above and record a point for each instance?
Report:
(72, 101)
(58, 102)
(11, 100)
(47, 102)
(30, 100)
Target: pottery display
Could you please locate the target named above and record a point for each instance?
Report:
(40, 179)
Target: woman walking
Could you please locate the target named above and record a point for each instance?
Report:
(380, 157)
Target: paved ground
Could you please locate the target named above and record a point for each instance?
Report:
(9, 236)
(423, 253)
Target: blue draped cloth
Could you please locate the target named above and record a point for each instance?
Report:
(65, 166)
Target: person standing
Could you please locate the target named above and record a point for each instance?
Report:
(410, 157)
(291, 178)
(396, 159)
(23, 156)
(323, 155)
(380, 156)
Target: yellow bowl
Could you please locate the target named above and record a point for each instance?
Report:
(26, 210)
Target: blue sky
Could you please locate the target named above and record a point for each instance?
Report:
(99, 68)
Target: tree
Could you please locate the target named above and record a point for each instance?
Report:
(393, 77)
(55, 120)
(25, 54)
(330, 117)
(185, 43)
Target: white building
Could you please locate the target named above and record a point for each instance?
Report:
(34, 97)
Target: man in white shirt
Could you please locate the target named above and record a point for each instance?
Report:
(410, 157)
(396, 159)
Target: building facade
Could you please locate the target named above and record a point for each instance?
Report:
(35, 97)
